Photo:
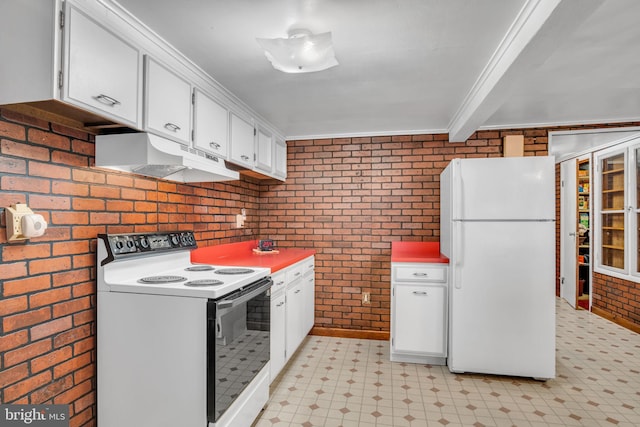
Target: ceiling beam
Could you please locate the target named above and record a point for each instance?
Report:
(536, 32)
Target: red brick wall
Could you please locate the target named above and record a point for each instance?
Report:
(349, 198)
(47, 285)
(619, 299)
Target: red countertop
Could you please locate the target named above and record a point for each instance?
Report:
(241, 254)
(428, 252)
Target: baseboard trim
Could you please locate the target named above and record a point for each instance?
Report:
(616, 319)
(350, 333)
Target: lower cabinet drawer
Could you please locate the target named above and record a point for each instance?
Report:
(419, 273)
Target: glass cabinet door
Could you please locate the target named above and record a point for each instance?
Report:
(612, 211)
(635, 205)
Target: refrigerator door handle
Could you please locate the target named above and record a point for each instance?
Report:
(457, 193)
(457, 255)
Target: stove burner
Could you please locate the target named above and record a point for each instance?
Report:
(234, 271)
(204, 282)
(199, 268)
(161, 279)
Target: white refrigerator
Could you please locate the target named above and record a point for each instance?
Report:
(497, 225)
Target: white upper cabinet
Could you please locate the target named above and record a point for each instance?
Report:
(210, 125)
(92, 65)
(102, 71)
(280, 161)
(264, 148)
(241, 143)
(167, 103)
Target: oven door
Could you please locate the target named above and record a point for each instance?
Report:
(238, 328)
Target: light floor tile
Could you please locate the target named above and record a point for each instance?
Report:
(345, 382)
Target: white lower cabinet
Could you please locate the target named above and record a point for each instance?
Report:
(419, 313)
(292, 311)
(278, 331)
(295, 311)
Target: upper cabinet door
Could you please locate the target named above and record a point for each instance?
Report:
(103, 72)
(264, 148)
(210, 125)
(241, 141)
(280, 168)
(167, 103)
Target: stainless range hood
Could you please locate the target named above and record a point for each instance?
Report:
(151, 155)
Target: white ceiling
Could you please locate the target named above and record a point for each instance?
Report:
(418, 66)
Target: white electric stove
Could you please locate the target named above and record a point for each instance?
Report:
(178, 343)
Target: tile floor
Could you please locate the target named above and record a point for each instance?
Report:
(351, 382)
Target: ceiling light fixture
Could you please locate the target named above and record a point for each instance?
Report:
(301, 52)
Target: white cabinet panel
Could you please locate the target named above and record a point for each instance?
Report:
(167, 103)
(103, 72)
(419, 319)
(280, 161)
(309, 294)
(295, 310)
(278, 333)
(241, 141)
(264, 149)
(210, 125)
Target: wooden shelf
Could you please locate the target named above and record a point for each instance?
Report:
(615, 248)
(613, 171)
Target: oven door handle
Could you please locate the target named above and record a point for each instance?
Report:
(228, 303)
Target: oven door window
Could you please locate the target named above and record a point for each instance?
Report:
(238, 343)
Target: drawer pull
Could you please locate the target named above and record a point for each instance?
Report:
(172, 127)
(420, 293)
(107, 100)
(280, 304)
(420, 274)
(244, 157)
(280, 283)
(297, 291)
(297, 274)
(214, 145)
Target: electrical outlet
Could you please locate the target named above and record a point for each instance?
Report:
(366, 298)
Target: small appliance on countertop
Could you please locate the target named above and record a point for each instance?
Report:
(266, 245)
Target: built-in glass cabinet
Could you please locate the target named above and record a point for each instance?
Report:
(617, 214)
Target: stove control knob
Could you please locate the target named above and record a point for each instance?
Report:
(192, 240)
(144, 242)
(119, 245)
(175, 241)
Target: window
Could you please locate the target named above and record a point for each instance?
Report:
(617, 214)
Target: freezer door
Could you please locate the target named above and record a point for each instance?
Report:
(503, 188)
(502, 299)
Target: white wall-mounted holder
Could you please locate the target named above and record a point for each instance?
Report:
(240, 218)
(23, 224)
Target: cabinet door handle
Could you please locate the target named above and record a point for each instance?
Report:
(280, 304)
(245, 158)
(214, 145)
(172, 127)
(297, 274)
(420, 293)
(280, 283)
(107, 100)
(421, 274)
(297, 291)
